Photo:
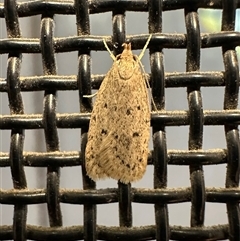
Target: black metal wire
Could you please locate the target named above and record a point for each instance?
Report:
(195, 117)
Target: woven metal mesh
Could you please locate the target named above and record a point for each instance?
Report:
(160, 157)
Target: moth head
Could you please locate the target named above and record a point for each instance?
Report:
(127, 46)
(127, 53)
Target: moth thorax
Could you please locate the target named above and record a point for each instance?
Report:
(126, 69)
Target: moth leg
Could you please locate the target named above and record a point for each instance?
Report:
(90, 96)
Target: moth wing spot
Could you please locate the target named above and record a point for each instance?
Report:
(128, 112)
(104, 132)
(135, 134)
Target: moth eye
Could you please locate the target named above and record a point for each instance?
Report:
(135, 134)
(135, 58)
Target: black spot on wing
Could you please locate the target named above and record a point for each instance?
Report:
(104, 132)
(128, 112)
(135, 134)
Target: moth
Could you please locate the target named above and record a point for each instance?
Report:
(119, 132)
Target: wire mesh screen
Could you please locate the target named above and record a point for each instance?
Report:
(193, 119)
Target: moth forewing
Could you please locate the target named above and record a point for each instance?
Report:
(119, 134)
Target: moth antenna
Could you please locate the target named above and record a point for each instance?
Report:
(112, 56)
(144, 72)
(145, 47)
(109, 51)
(147, 85)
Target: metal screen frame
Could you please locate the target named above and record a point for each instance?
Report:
(195, 117)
